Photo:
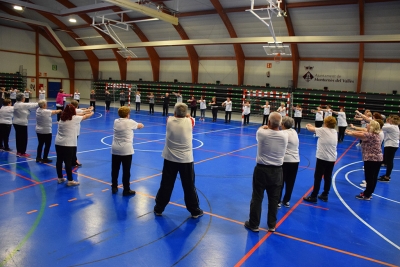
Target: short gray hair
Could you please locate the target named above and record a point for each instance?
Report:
(181, 110)
(42, 103)
(275, 119)
(20, 96)
(287, 122)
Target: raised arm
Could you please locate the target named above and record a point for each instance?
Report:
(310, 127)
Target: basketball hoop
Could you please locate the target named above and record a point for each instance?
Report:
(278, 58)
(128, 58)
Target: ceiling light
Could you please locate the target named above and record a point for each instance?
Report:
(72, 20)
(18, 7)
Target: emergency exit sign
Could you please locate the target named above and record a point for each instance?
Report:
(54, 67)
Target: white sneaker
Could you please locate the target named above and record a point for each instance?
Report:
(314, 135)
(363, 181)
(72, 183)
(358, 144)
(61, 180)
(363, 185)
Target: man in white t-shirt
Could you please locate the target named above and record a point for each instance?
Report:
(178, 157)
(267, 176)
(228, 109)
(122, 150)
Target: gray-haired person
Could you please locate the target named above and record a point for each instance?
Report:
(44, 130)
(178, 157)
(20, 122)
(267, 174)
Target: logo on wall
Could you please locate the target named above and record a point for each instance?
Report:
(308, 76)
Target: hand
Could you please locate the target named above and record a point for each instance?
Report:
(351, 126)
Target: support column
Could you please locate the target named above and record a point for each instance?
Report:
(37, 62)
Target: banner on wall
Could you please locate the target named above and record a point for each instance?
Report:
(311, 75)
(32, 84)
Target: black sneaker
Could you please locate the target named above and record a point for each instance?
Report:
(384, 179)
(157, 213)
(47, 160)
(7, 149)
(271, 229)
(38, 160)
(310, 199)
(201, 213)
(279, 205)
(323, 198)
(114, 190)
(362, 197)
(128, 193)
(248, 226)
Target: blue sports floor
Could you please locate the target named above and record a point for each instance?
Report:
(43, 223)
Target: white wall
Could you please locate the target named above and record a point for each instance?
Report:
(255, 73)
(83, 71)
(175, 69)
(46, 64)
(381, 77)
(109, 69)
(10, 62)
(137, 69)
(17, 40)
(334, 75)
(218, 70)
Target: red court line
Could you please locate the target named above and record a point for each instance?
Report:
(17, 189)
(72, 199)
(314, 206)
(53, 205)
(32, 211)
(19, 175)
(259, 243)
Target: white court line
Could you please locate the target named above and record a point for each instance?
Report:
(362, 189)
(353, 212)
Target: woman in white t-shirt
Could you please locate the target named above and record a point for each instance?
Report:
(267, 110)
(246, 112)
(228, 109)
(42, 94)
(342, 123)
(66, 141)
(27, 94)
(203, 108)
(326, 157)
(290, 161)
(319, 117)
(122, 150)
(44, 130)
(13, 95)
(137, 101)
(327, 111)
(77, 96)
(391, 144)
(297, 117)
(282, 109)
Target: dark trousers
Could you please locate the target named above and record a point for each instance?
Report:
(26, 100)
(165, 110)
(289, 170)
(246, 119)
(265, 178)
(108, 105)
(319, 124)
(122, 103)
(74, 157)
(265, 119)
(193, 112)
(64, 154)
(116, 161)
(342, 129)
(297, 124)
(5, 130)
(43, 139)
(388, 157)
(151, 108)
(137, 106)
(169, 173)
(13, 101)
(322, 168)
(214, 112)
(1, 101)
(228, 115)
(21, 138)
(93, 104)
(59, 114)
(371, 172)
(202, 113)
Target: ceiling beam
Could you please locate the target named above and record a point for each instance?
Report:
(232, 33)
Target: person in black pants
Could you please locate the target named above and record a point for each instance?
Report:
(178, 157)
(246, 112)
(122, 150)
(122, 98)
(93, 100)
(297, 117)
(214, 108)
(391, 144)
(290, 162)
(107, 98)
(44, 130)
(6, 115)
(165, 104)
(2, 96)
(151, 103)
(193, 106)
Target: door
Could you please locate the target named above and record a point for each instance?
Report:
(53, 89)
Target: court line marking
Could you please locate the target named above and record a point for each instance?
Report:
(353, 212)
(314, 206)
(19, 175)
(362, 189)
(259, 243)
